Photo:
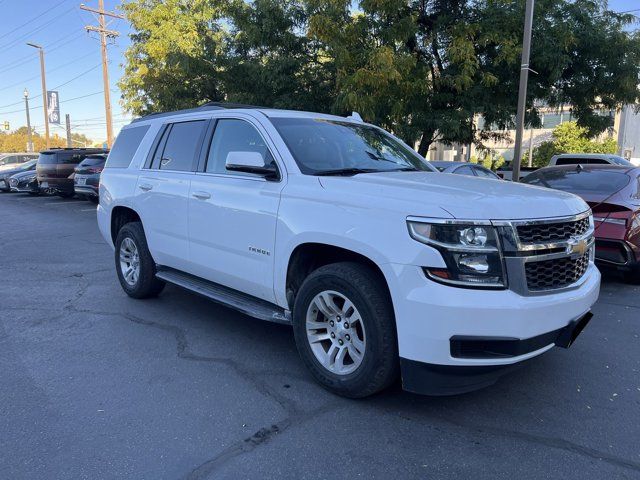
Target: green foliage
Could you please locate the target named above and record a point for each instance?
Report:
(421, 68)
(16, 141)
(488, 159)
(569, 137)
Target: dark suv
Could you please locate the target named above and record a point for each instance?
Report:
(55, 168)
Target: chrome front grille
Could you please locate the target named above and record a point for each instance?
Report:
(555, 273)
(552, 232)
(546, 255)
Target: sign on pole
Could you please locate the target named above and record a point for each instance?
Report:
(53, 107)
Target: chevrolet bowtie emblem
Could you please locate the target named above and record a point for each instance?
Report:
(577, 247)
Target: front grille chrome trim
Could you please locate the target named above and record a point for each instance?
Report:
(518, 254)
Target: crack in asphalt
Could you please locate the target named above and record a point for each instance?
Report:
(296, 416)
(545, 441)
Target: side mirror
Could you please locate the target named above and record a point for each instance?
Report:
(251, 162)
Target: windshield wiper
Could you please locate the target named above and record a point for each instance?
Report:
(346, 171)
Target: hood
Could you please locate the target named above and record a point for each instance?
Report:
(464, 197)
(7, 172)
(28, 173)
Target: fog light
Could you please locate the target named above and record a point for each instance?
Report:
(475, 263)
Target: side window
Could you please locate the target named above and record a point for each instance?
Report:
(182, 145)
(127, 143)
(464, 171)
(232, 135)
(481, 172)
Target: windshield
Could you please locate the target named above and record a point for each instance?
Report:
(28, 164)
(616, 160)
(328, 145)
(585, 181)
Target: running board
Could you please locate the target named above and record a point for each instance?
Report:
(254, 307)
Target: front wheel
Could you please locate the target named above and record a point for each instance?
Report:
(134, 264)
(345, 329)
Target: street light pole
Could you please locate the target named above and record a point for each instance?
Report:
(522, 92)
(26, 106)
(44, 92)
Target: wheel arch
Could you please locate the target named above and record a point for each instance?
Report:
(120, 216)
(309, 256)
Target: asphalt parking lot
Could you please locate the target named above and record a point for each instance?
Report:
(95, 385)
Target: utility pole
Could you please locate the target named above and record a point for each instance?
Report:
(67, 119)
(26, 106)
(44, 93)
(104, 34)
(522, 92)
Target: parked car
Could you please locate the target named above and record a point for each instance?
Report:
(613, 193)
(15, 168)
(86, 180)
(505, 171)
(12, 160)
(465, 168)
(25, 182)
(380, 263)
(588, 159)
(56, 167)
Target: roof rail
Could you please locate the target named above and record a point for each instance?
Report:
(204, 106)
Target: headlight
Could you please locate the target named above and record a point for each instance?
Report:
(470, 251)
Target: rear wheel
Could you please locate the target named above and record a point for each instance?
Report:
(345, 330)
(134, 264)
(65, 194)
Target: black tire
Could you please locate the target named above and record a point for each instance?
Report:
(368, 293)
(65, 194)
(93, 199)
(147, 285)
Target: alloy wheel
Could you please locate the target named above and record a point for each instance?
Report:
(335, 332)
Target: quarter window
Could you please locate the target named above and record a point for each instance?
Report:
(182, 145)
(125, 147)
(233, 135)
(464, 171)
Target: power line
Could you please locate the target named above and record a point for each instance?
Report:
(61, 102)
(52, 70)
(35, 30)
(48, 49)
(33, 19)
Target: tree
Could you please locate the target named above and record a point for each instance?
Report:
(185, 53)
(569, 137)
(424, 69)
(16, 141)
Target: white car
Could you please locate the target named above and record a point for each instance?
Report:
(383, 265)
(588, 159)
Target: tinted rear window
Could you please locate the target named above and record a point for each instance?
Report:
(93, 161)
(583, 181)
(48, 159)
(125, 147)
(582, 161)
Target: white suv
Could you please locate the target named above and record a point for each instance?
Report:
(383, 265)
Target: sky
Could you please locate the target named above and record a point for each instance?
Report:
(73, 63)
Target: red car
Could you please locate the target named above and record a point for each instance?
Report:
(613, 193)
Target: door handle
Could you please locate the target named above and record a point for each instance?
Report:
(201, 195)
(145, 186)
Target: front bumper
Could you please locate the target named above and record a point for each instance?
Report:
(430, 379)
(429, 315)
